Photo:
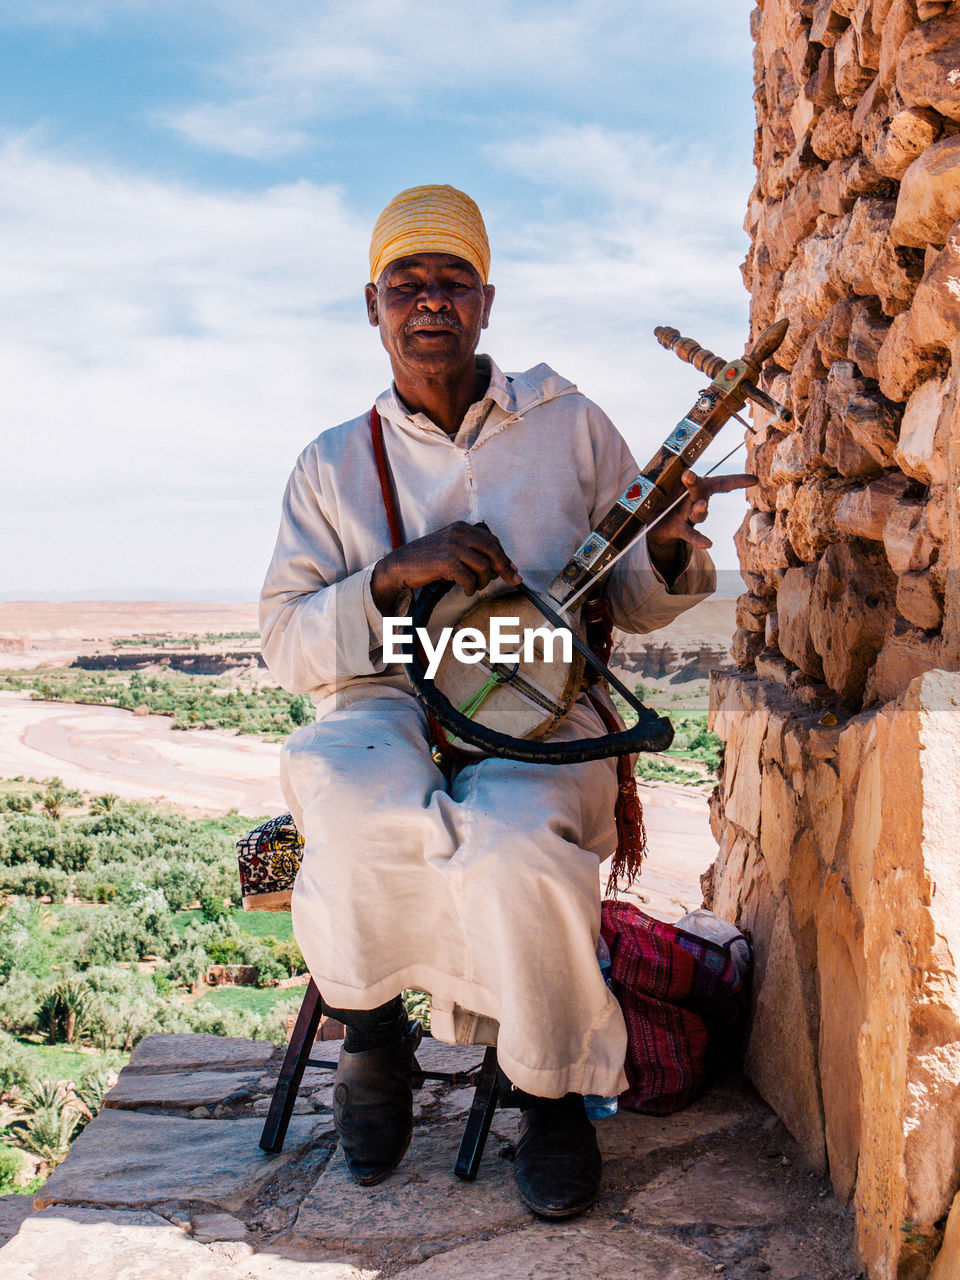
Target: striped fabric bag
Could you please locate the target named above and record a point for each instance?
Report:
(685, 1001)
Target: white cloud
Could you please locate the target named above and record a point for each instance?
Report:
(167, 349)
(658, 242)
(299, 62)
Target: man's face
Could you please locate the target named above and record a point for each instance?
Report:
(430, 309)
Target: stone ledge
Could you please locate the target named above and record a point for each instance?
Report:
(144, 1196)
(198, 1051)
(92, 1244)
(130, 1160)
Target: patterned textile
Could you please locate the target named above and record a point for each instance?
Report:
(435, 219)
(684, 1003)
(269, 859)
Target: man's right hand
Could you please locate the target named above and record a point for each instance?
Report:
(467, 554)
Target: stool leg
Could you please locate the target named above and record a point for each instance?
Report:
(291, 1072)
(479, 1120)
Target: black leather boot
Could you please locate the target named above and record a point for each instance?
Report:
(373, 1106)
(557, 1164)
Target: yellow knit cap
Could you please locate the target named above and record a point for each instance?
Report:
(434, 219)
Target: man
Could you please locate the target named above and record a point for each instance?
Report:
(480, 886)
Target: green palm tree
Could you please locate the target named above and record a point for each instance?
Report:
(49, 1124)
(61, 1010)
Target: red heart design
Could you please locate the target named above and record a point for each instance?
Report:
(633, 493)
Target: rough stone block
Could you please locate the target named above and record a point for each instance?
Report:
(809, 520)
(568, 1252)
(827, 24)
(846, 180)
(863, 513)
(906, 537)
(901, 16)
(741, 779)
(778, 824)
(14, 1210)
(788, 221)
(127, 1159)
(834, 136)
(906, 654)
(823, 799)
(833, 332)
(919, 601)
(870, 418)
(787, 464)
(868, 261)
(893, 142)
(841, 978)
(784, 1068)
(847, 455)
(175, 1088)
(814, 428)
(820, 88)
(929, 199)
(751, 611)
(919, 452)
(927, 61)
(811, 285)
(200, 1053)
(808, 366)
(868, 329)
(762, 544)
(904, 361)
(850, 75)
(921, 339)
(793, 613)
(850, 611)
(90, 1244)
(771, 631)
(420, 1201)
(910, 1146)
(947, 1263)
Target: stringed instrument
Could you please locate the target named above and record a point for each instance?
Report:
(507, 708)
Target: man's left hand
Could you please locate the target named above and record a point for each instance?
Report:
(667, 538)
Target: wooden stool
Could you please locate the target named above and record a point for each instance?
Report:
(486, 1096)
(268, 860)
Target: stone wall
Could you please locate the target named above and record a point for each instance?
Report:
(840, 797)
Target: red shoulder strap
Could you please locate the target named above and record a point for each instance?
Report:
(444, 753)
(386, 482)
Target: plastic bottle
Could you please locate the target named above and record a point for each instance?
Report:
(597, 1107)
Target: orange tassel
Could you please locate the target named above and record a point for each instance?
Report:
(631, 833)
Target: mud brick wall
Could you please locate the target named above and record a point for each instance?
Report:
(838, 811)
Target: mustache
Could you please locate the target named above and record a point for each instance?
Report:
(433, 320)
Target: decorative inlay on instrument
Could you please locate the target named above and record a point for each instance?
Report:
(659, 484)
(505, 709)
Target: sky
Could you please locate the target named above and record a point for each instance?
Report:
(187, 190)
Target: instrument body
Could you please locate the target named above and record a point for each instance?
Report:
(530, 698)
(526, 701)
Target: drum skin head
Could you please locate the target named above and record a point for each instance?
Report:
(513, 708)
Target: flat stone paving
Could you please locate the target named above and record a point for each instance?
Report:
(163, 1185)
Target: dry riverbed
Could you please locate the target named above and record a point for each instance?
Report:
(201, 771)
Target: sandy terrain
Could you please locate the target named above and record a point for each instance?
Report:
(100, 749)
(38, 633)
